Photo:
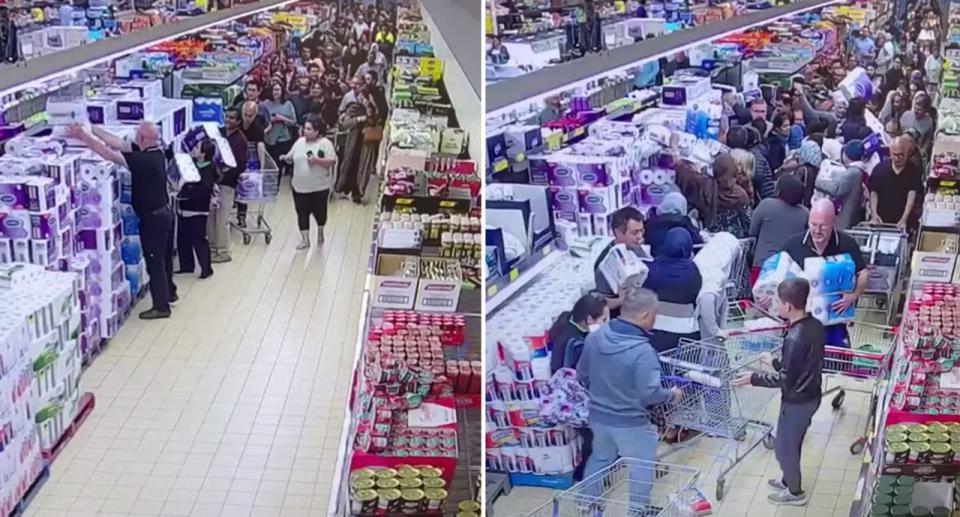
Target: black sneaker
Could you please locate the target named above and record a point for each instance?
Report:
(206, 274)
(154, 314)
(174, 298)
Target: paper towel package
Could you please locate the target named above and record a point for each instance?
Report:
(775, 270)
(828, 275)
(821, 308)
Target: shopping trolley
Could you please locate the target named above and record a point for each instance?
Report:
(866, 363)
(257, 187)
(884, 248)
(739, 270)
(704, 371)
(629, 487)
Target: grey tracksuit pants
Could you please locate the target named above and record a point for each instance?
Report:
(792, 426)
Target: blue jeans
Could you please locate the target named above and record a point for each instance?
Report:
(610, 443)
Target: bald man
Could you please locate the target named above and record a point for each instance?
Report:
(895, 186)
(822, 240)
(147, 164)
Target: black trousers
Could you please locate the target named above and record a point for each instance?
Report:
(585, 452)
(156, 239)
(192, 239)
(276, 151)
(311, 203)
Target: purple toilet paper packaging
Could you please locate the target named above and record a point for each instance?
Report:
(45, 225)
(598, 200)
(15, 224)
(561, 174)
(563, 199)
(596, 175)
(12, 194)
(41, 193)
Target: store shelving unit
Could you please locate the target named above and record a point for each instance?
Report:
(39, 70)
(451, 25)
(501, 97)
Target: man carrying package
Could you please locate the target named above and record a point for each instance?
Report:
(822, 241)
(798, 375)
(621, 371)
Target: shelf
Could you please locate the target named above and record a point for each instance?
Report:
(45, 68)
(500, 289)
(547, 81)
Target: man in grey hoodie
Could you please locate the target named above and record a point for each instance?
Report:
(621, 371)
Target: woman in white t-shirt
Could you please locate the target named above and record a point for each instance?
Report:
(314, 160)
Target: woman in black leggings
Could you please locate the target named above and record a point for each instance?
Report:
(313, 158)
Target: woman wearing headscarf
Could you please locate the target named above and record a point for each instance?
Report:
(810, 157)
(360, 149)
(671, 213)
(676, 280)
(776, 220)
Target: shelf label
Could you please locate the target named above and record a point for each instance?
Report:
(579, 131)
(546, 250)
(520, 157)
(448, 204)
(403, 201)
(500, 165)
(514, 274)
(492, 291)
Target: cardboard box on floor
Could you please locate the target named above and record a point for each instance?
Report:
(935, 257)
(390, 290)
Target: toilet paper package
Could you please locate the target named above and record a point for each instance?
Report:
(563, 199)
(598, 200)
(6, 250)
(43, 252)
(828, 275)
(131, 250)
(41, 193)
(45, 225)
(103, 239)
(64, 169)
(21, 250)
(775, 270)
(129, 219)
(821, 308)
(13, 195)
(15, 224)
(856, 84)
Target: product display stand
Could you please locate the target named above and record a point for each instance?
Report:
(417, 371)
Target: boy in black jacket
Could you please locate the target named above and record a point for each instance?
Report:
(798, 375)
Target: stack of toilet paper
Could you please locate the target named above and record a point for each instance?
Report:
(40, 328)
(829, 277)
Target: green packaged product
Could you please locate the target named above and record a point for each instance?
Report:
(899, 511)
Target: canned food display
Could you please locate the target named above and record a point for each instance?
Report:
(435, 498)
(897, 453)
(363, 484)
(469, 506)
(407, 483)
(388, 500)
(919, 452)
(364, 502)
(941, 453)
(388, 483)
(434, 483)
(412, 501)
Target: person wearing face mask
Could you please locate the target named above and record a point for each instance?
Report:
(822, 239)
(627, 224)
(571, 328)
(193, 207)
(621, 371)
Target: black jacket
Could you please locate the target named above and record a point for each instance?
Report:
(566, 339)
(195, 197)
(799, 374)
(656, 229)
(238, 144)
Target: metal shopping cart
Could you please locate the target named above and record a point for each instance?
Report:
(866, 364)
(629, 487)
(737, 286)
(257, 187)
(884, 248)
(704, 371)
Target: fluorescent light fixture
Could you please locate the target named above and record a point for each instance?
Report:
(33, 83)
(507, 109)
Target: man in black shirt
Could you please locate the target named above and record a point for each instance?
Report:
(799, 376)
(147, 164)
(895, 186)
(822, 240)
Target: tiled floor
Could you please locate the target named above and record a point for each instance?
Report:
(234, 406)
(829, 470)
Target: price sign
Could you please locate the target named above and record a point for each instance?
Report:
(514, 274)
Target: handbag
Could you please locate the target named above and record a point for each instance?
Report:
(372, 133)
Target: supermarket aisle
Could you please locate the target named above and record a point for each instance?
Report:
(234, 406)
(830, 472)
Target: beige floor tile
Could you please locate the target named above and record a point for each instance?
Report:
(230, 407)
